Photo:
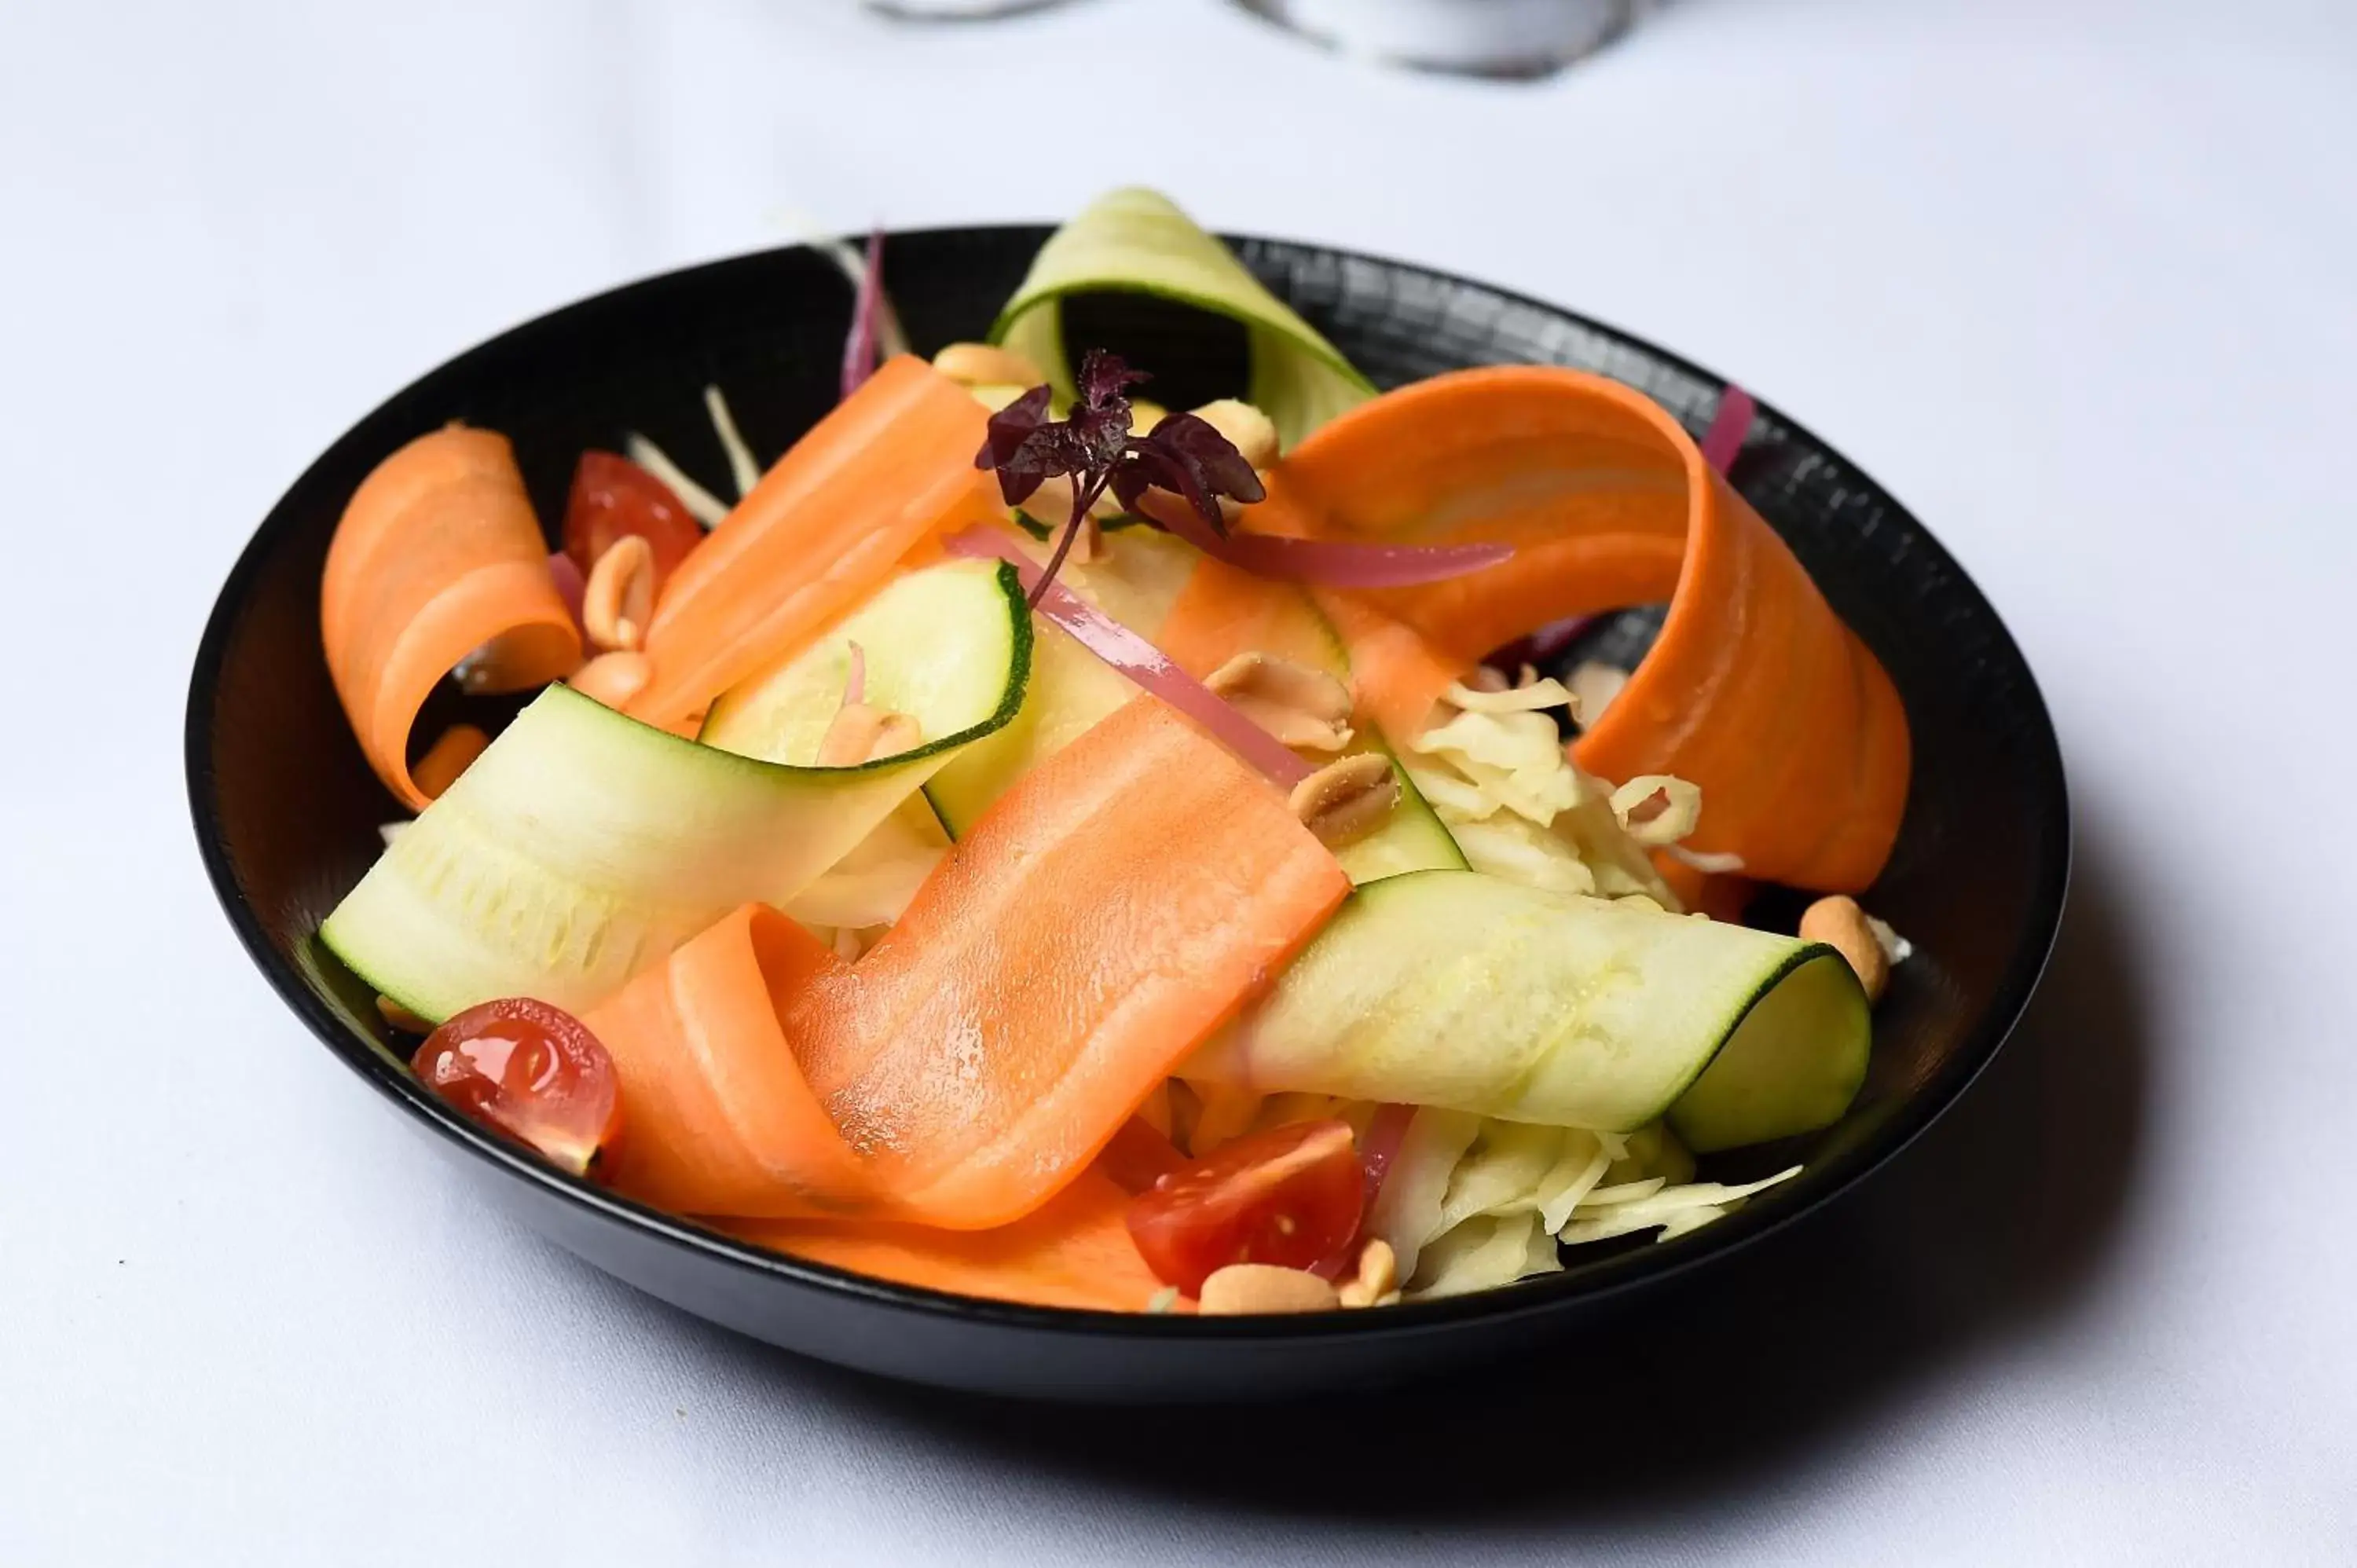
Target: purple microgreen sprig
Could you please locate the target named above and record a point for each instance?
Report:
(1092, 448)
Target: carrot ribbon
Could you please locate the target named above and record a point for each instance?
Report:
(437, 559)
(1080, 941)
(890, 468)
(1756, 691)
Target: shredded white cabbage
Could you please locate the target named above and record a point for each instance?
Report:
(1501, 1173)
(1626, 1192)
(1720, 864)
(1564, 1188)
(1407, 1210)
(1471, 1202)
(1593, 685)
(702, 504)
(1514, 758)
(743, 471)
(1499, 778)
(1533, 693)
(1664, 1208)
(1680, 810)
(1493, 1250)
(1520, 851)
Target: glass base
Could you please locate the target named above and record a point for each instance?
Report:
(1509, 38)
(953, 10)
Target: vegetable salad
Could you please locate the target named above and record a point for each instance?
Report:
(1025, 841)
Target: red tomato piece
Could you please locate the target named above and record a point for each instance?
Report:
(613, 495)
(1138, 1156)
(1290, 1196)
(530, 1070)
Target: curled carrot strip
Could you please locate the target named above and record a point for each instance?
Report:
(1081, 941)
(1073, 1251)
(891, 468)
(1756, 691)
(437, 559)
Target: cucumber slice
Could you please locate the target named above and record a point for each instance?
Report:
(1411, 839)
(1137, 241)
(1071, 689)
(582, 845)
(1793, 1064)
(1140, 575)
(949, 646)
(1456, 990)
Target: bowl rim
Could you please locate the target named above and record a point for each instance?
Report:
(1606, 1278)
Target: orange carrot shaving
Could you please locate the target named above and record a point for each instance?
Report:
(1755, 691)
(889, 467)
(437, 559)
(1073, 1251)
(984, 1050)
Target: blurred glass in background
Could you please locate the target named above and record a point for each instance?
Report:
(1475, 38)
(1478, 37)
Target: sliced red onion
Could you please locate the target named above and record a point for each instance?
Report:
(1723, 440)
(1381, 1146)
(867, 304)
(1137, 659)
(1378, 1147)
(570, 585)
(1329, 562)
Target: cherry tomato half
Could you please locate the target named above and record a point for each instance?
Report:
(613, 495)
(530, 1070)
(1290, 1196)
(1138, 1156)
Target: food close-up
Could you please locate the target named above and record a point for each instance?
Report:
(1315, 849)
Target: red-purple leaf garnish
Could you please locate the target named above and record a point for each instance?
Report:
(1723, 442)
(1094, 447)
(1137, 659)
(1186, 456)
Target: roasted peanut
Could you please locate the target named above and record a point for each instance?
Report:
(1248, 430)
(613, 679)
(620, 595)
(984, 364)
(446, 759)
(1347, 799)
(1378, 1273)
(1840, 924)
(1246, 1288)
(1299, 705)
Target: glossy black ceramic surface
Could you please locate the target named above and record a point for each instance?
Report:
(286, 809)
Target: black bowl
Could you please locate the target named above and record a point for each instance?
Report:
(286, 809)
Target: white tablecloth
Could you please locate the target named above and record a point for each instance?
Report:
(2078, 282)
